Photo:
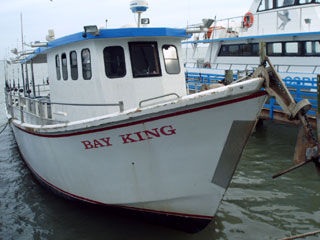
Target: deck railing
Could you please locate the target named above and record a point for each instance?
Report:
(299, 88)
(41, 110)
(299, 19)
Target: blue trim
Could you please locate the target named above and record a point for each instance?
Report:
(113, 33)
(256, 37)
(138, 9)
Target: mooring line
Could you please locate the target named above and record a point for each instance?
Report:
(5, 126)
(302, 235)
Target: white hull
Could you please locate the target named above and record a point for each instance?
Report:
(175, 159)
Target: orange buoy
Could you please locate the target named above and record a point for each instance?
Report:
(248, 20)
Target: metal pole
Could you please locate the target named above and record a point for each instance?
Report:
(27, 80)
(33, 83)
(22, 73)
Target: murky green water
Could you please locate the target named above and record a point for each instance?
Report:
(254, 207)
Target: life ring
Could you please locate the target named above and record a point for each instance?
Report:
(207, 65)
(209, 33)
(248, 20)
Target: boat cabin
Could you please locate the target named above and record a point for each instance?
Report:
(126, 65)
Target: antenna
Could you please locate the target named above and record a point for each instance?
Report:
(139, 6)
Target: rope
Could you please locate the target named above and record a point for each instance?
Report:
(5, 126)
(302, 235)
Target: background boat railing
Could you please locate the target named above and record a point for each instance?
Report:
(297, 19)
(41, 110)
(299, 88)
(283, 68)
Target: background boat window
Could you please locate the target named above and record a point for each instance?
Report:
(304, 1)
(285, 3)
(274, 49)
(64, 66)
(292, 48)
(86, 64)
(114, 62)
(265, 5)
(74, 65)
(171, 59)
(144, 59)
(240, 50)
(58, 67)
(312, 48)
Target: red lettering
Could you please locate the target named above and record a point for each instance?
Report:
(169, 131)
(155, 133)
(97, 144)
(106, 141)
(87, 145)
(139, 136)
(127, 139)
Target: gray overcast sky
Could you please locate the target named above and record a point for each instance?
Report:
(69, 16)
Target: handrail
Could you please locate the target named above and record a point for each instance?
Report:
(166, 95)
(120, 104)
(13, 101)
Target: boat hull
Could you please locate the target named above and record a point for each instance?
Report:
(174, 162)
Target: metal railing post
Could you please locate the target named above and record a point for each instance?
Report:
(121, 106)
(21, 114)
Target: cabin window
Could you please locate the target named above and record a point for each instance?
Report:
(171, 59)
(285, 3)
(265, 5)
(274, 49)
(304, 1)
(240, 50)
(74, 65)
(64, 66)
(144, 59)
(292, 48)
(86, 64)
(58, 67)
(114, 62)
(273, 4)
(312, 48)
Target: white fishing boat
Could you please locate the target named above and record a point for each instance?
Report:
(118, 128)
(291, 29)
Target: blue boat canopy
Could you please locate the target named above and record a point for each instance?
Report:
(38, 55)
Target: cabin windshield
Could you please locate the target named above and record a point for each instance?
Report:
(144, 59)
(273, 4)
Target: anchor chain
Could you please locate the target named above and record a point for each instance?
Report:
(309, 127)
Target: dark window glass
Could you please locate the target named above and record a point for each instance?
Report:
(86, 64)
(74, 65)
(171, 59)
(64, 66)
(304, 1)
(144, 59)
(240, 50)
(265, 5)
(234, 50)
(114, 62)
(292, 48)
(312, 48)
(58, 67)
(224, 50)
(285, 3)
(255, 49)
(274, 49)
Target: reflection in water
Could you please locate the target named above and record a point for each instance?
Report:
(254, 207)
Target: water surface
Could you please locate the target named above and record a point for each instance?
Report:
(254, 207)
